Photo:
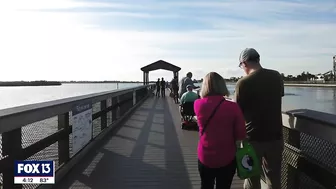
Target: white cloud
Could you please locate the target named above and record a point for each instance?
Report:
(74, 45)
(59, 4)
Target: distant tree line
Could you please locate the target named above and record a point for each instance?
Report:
(304, 76)
(112, 81)
(29, 83)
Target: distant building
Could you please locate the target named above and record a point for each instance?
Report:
(319, 77)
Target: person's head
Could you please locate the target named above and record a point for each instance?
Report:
(249, 60)
(158, 79)
(189, 74)
(213, 85)
(189, 87)
(162, 79)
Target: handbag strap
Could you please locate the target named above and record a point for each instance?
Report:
(212, 114)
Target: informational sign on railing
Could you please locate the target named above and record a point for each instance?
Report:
(81, 126)
(109, 102)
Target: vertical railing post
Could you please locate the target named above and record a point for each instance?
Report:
(146, 92)
(11, 146)
(108, 105)
(134, 97)
(118, 108)
(292, 171)
(103, 119)
(63, 143)
(114, 111)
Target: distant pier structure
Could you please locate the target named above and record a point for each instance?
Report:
(160, 64)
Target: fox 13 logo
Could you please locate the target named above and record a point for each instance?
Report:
(34, 172)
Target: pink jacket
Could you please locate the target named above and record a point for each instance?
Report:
(216, 147)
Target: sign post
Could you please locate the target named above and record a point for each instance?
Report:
(81, 126)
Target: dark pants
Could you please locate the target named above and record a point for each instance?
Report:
(163, 92)
(176, 96)
(158, 91)
(222, 175)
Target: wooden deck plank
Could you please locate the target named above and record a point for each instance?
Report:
(148, 151)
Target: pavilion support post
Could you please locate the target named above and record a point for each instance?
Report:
(147, 78)
(144, 78)
(176, 75)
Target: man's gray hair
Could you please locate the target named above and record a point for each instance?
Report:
(249, 55)
(214, 84)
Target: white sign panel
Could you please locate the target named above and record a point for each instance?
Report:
(81, 126)
(109, 102)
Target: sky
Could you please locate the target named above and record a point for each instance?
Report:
(113, 39)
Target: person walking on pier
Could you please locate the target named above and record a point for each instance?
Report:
(163, 88)
(174, 88)
(221, 125)
(259, 95)
(184, 82)
(158, 87)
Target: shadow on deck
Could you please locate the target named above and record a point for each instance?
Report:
(148, 151)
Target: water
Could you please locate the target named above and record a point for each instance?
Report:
(18, 96)
(315, 98)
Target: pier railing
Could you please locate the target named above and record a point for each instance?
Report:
(310, 150)
(44, 131)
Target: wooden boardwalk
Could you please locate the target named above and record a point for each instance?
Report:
(148, 151)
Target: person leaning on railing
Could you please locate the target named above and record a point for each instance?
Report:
(221, 125)
(259, 96)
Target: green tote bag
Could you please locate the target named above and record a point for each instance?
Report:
(248, 164)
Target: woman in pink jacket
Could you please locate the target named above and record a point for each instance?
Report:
(221, 125)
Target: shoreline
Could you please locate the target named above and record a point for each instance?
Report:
(322, 85)
(310, 85)
(83, 82)
(29, 83)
